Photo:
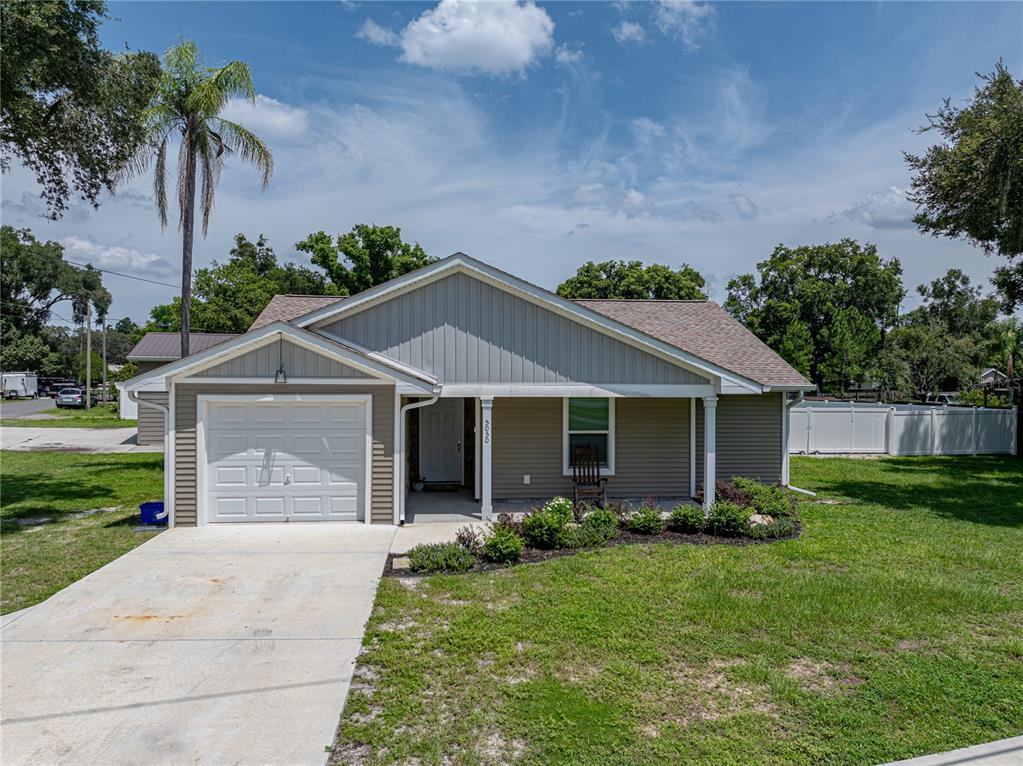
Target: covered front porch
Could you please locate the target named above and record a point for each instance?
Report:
(472, 458)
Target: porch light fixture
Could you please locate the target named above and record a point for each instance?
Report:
(280, 376)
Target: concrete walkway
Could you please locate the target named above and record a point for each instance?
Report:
(72, 440)
(1005, 752)
(231, 644)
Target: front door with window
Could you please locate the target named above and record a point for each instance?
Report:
(441, 427)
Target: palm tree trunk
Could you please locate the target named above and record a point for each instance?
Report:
(187, 231)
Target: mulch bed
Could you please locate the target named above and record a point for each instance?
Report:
(625, 537)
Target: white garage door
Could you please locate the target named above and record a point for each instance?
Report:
(285, 460)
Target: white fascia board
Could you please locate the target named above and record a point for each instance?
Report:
(563, 390)
(460, 262)
(798, 387)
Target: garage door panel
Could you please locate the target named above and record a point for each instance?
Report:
(275, 461)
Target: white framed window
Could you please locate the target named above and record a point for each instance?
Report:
(589, 422)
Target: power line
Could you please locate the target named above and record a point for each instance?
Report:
(119, 274)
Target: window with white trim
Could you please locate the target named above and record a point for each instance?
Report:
(589, 422)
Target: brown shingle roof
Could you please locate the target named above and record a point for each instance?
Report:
(706, 330)
(284, 308)
(167, 345)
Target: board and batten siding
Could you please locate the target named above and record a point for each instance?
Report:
(463, 330)
(298, 362)
(185, 469)
(151, 420)
(651, 448)
(749, 441)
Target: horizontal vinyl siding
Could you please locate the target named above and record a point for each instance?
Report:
(299, 362)
(463, 330)
(151, 420)
(527, 439)
(651, 448)
(382, 469)
(748, 437)
(144, 367)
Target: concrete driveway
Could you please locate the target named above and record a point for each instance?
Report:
(221, 645)
(72, 440)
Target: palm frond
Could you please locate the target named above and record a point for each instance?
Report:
(210, 157)
(249, 146)
(235, 79)
(183, 160)
(160, 181)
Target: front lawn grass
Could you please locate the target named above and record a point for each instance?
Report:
(891, 628)
(37, 561)
(100, 416)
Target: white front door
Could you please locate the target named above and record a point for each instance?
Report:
(440, 441)
(285, 461)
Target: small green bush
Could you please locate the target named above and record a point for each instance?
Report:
(782, 526)
(502, 545)
(440, 557)
(561, 507)
(728, 519)
(688, 518)
(597, 528)
(769, 499)
(647, 521)
(544, 529)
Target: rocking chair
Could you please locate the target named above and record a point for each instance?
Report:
(588, 483)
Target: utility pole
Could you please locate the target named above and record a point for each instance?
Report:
(88, 355)
(106, 391)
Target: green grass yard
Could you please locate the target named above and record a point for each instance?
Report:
(38, 560)
(100, 416)
(893, 627)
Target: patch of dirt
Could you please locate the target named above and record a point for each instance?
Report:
(394, 627)
(713, 695)
(368, 717)
(351, 754)
(495, 749)
(822, 677)
(917, 647)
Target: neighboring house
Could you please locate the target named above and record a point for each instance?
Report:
(465, 378)
(992, 378)
(154, 350)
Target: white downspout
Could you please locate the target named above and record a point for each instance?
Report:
(401, 442)
(133, 395)
(788, 420)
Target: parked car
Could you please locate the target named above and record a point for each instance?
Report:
(51, 387)
(74, 397)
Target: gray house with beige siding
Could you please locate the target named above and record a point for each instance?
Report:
(461, 386)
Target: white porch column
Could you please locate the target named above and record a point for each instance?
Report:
(487, 440)
(710, 408)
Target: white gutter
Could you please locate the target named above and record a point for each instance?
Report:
(133, 395)
(401, 441)
(788, 459)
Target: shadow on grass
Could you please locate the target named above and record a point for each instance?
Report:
(980, 490)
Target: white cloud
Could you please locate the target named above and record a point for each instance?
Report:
(566, 55)
(589, 193)
(378, 35)
(629, 32)
(646, 130)
(267, 116)
(115, 257)
(684, 20)
(634, 202)
(496, 37)
(882, 209)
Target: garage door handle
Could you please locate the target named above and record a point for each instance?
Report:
(287, 478)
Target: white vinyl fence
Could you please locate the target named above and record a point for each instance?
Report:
(900, 429)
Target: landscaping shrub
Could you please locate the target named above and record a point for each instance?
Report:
(502, 545)
(620, 509)
(440, 557)
(508, 521)
(470, 539)
(734, 491)
(769, 499)
(728, 519)
(782, 526)
(597, 527)
(647, 521)
(544, 529)
(688, 518)
(561, 507)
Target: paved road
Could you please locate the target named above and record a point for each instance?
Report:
(213, 645)
(1005, 752)
(19, 408)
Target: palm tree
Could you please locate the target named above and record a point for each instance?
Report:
(187, 104)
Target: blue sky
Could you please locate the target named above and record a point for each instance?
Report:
(536, 137)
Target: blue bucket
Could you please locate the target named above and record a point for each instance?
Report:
(150, 511)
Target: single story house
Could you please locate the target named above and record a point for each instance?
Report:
(153, 350)
(992, 378)
(466, 380)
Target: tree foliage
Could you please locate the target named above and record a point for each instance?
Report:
(34, 278)
(229, 296)
(189, 99)
(70, 111)
(631, 279)
(366, 256)
(970, 185)
(823, 308)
